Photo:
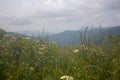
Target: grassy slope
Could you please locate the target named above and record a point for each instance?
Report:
(25, 59)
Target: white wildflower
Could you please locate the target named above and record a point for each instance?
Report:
(40, 52)
(66, 78)
(41, 48)
(31, 68)
(43, 45)
(76, 50)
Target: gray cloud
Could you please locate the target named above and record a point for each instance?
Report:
(115, 4)
(21, 22)
(57, 15)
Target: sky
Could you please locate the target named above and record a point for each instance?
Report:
(58, 15)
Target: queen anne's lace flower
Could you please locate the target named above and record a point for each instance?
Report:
(76, 50)
(66, 78)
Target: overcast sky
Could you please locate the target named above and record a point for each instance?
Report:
(57, 15)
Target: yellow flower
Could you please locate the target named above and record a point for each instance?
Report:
(66, 78)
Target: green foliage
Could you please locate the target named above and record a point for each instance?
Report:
(22, 58)
(2, 32)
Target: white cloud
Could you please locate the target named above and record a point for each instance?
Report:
(65, 14)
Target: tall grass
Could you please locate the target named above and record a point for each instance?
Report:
(26, 59)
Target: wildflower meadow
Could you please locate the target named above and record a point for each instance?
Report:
(23, 58)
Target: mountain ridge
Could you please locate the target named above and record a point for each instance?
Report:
(73, 37)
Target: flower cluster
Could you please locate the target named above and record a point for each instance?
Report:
(76, 50)
(66, 78)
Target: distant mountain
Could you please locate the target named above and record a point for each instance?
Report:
(32, 33)
(15, 34)
(66, 37)
(73, 37)
(4, 33)
(113, 30)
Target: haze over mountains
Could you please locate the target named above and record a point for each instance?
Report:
(72, 37)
